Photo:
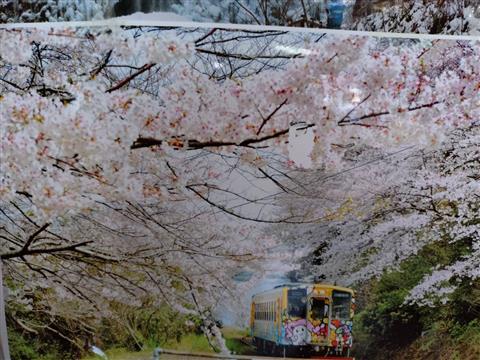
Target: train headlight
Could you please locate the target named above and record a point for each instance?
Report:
(317, 348)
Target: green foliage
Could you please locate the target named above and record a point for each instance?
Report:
(146, 327)
(132, 329)
(448, 340)
(40, 339)
(24, 346)
(387, 327)
(40, 330)
(21, 348)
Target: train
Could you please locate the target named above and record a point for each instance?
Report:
(303, 319)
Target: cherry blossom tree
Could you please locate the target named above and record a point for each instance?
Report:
(384, 209)
(383, 204)
(74, 248)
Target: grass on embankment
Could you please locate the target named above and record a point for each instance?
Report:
(189, 343)
(233, 338)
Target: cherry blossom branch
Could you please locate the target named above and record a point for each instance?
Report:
(276, 182)
(246, 35)
(125, 81)
(287, 220)
(199, 40)
(342, 120)
(12, 84)
(102, 65)
(28, 252)
(246, 57)
(143, 142)
(265, 120)
(352, 121)
(34, 236)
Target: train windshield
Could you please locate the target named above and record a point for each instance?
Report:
(318, 309)
(341, 305)
(297, 303)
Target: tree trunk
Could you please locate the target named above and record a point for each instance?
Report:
(4, 352)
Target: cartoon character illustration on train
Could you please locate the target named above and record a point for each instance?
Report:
(303, 319)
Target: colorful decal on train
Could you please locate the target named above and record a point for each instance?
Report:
(297, 332)
(341, 333)
(303, 332)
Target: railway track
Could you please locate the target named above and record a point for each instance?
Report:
(165, 354)
(248, 341)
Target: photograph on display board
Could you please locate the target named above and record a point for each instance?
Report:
(260, 192)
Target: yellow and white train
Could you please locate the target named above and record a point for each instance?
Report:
(303, 318)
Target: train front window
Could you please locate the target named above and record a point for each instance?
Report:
(341, 305)
(297, 303)
(318, 309)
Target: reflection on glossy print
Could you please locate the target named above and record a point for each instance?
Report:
(413, 16)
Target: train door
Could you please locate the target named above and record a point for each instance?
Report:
(318, 317)
(295, 323)
(341, 321)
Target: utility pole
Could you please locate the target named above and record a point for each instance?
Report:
(4, 352)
